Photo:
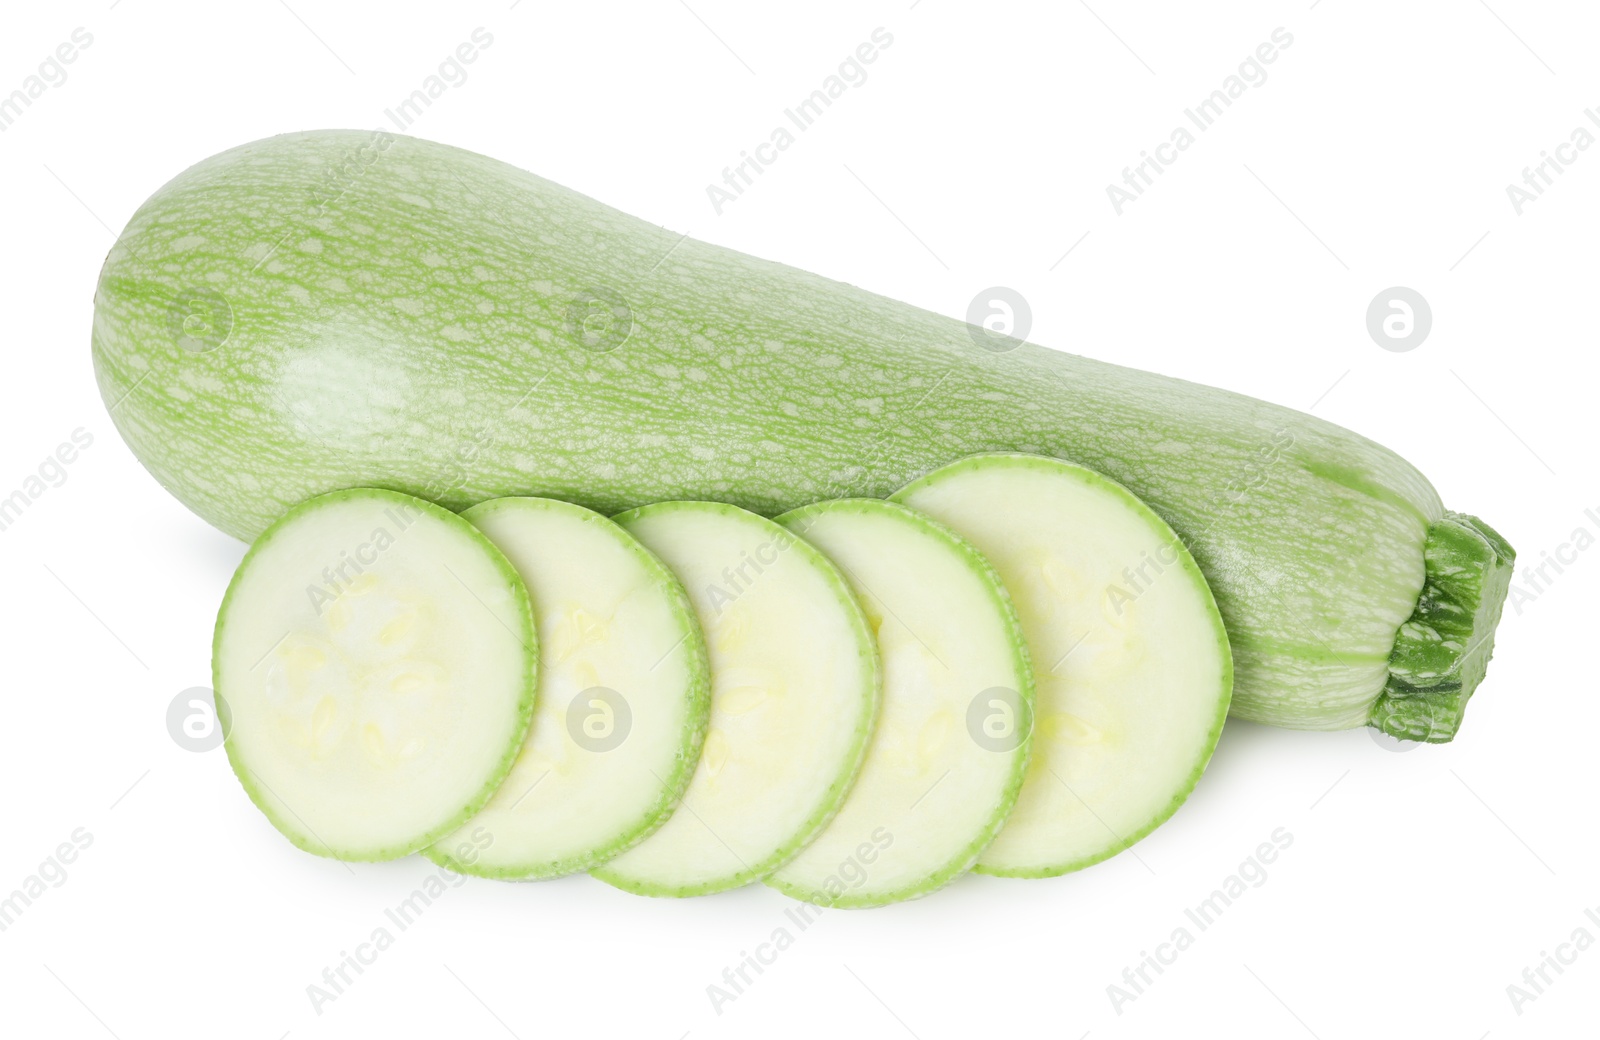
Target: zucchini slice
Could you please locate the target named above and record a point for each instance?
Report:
(949, 752)
(794, 694)
(1132, 664)
(624, 689)
(377, 654)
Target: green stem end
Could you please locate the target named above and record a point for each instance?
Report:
(1441, 653)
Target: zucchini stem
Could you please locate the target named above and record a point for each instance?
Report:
(1440, 653)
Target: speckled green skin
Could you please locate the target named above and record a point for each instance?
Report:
(414, 316)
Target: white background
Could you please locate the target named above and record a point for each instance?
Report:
(977, 153)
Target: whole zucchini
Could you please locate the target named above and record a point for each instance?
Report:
(348, 308)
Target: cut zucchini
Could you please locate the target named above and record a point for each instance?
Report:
(624, 689)
(1132, 663)
(795, 681)
(377, 655)
(942, 771)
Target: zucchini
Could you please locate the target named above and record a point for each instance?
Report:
(339, 308)
(1133, 676)
(377, 655)
(623, 692)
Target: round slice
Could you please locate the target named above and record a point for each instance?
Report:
(794, 692)
(376, 654)
(1130, 658)
(949, 751)
(624, 688)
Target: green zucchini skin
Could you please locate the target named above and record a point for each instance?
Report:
(331, 309)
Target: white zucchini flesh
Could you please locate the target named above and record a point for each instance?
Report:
(936, 784)
(794, 694)
(624, 689)
(377, 654)
(1131, 661)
